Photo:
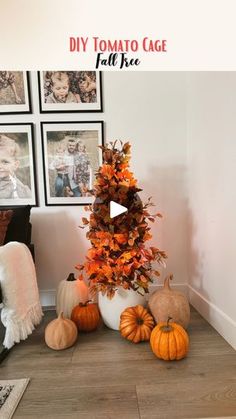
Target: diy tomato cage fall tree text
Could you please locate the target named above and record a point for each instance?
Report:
(116, 53)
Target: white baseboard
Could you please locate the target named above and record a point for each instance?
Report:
(224, 325)
(47, 298)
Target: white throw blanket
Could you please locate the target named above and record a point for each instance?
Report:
(21, 306)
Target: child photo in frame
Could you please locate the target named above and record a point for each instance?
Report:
(70, 91)
(14, 92)
(17, 165)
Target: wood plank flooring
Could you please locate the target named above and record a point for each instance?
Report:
(106, 377)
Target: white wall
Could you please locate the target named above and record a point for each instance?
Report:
(211, 133)
(149, 110)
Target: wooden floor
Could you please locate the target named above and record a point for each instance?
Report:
(104, 376)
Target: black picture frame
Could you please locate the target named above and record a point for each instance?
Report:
(44, 86)
(25, 107)
(64, 172)
(17, 143)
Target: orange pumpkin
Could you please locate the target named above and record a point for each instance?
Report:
(136, 324)
(86, 316)
(169, 341)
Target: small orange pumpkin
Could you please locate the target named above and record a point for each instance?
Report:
(86, 316)
(169, 341)
(60, 333)
(136, 324)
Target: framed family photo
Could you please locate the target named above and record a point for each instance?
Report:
(14, 92)
(70, 91)
(17, 165)
(71, 157)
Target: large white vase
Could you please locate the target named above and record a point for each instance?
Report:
(111, 309)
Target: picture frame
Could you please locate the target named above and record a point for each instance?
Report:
(15, 95)
(71, 157)
(17, 165)
(70, 91)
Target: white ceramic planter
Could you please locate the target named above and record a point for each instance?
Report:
(112, 309)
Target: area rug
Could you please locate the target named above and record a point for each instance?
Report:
(11, 392)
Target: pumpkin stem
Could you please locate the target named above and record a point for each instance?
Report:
(139, 321)
(167, 282)
(85, 304)
(61, 315)
(169, 318)
(71, 277)
(167, 327)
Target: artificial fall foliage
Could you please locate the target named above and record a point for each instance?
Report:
(119, 255)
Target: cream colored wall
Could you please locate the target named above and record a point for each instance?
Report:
(211, 133)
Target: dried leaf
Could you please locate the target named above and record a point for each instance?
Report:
(79, 267)
(85, 221)
(156, 273)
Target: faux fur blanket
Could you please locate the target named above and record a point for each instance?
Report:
(21, 310)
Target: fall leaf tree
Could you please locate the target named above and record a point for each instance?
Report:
(119, 255)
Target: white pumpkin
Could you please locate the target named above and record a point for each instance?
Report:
(70, 292)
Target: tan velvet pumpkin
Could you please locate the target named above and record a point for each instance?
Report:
(60, 333)
(170, 303)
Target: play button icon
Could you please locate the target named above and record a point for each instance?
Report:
(116, 209)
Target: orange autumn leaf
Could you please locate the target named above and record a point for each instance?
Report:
(104, 238)
(133, 182)
(92, 267)
(107, 270)
(94, 253)
(114, 246)
(121, 238)
(147, 236)
(127, 269)
(107, 171)
(124, 174)
(123, 166)
(124, 183)
(127, 174)
(128, 255)
(103, 235)
(128, 183)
